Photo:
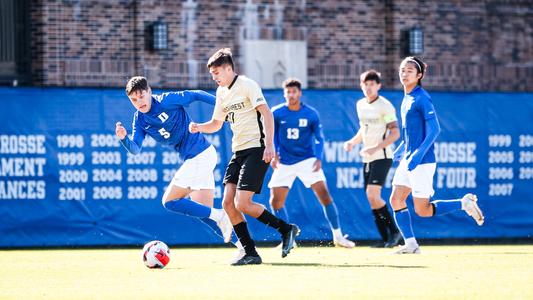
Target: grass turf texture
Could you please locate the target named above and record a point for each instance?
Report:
(440, 272)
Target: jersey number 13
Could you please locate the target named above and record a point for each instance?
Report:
(293, 133)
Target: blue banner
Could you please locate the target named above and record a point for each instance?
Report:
(66, 181)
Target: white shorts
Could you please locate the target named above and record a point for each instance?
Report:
(197, 173)
(420, 180)
(284, 175)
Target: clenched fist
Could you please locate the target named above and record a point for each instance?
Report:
(348, 146)
(193, 127)
(269, 153)
(120, 131)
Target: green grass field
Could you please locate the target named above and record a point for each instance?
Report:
(440, 272)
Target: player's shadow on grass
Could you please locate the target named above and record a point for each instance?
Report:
(341, 265)
(509, 253)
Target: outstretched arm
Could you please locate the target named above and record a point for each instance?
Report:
(202, 96)
(207, 127)
(184, 98)
(216, 122)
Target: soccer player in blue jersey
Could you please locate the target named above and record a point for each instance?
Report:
(164, 118)
(414, 175)
(299, 145)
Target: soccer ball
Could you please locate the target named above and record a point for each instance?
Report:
(156, 255)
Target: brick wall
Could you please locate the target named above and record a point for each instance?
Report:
(469, 45)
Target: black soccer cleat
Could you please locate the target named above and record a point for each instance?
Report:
(394, 240)
(288, 240)
(248, 260)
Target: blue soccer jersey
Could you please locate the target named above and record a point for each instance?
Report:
(417, 107)
(297, 134)
(167, 122)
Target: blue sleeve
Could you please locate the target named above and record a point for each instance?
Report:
(432, 126)
(199, 95)
(184, 98)
(399, 151)
(432, 132)
(319, 136)
(426, 108)
(276, 132)
(134, 145)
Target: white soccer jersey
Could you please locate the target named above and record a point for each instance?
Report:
(236, 104)
(373, 120)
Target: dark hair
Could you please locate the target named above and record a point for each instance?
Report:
(292, 82)
(371, 75)
(420, 65)
(221, 57)
(137, 83)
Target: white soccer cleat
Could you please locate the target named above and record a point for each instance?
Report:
(342, 241)
(469, 205)
(408, 250)
(225, 227)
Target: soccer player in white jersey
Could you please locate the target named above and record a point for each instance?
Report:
(299, 145)
(240, 101)
(414, 175)
(378, 129)
(164, 118)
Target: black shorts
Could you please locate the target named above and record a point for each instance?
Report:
(247, 169)
(375, 172)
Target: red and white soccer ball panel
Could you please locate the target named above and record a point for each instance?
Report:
(156, 254)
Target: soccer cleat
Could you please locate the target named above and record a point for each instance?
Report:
(280, 245)
(288, 240)
(469, 205)
(394, 240)
(225, 227)
(408, 250)
(342, 241)
(238, 255)
(248, 260)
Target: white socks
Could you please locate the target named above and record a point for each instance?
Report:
(239, 245)
(216, 214)
(337, 233)
(411, 242)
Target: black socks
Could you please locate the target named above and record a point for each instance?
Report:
(384, 222)
(270, 220)
(241, 230)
